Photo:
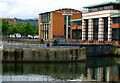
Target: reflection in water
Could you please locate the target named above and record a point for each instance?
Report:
(58, 71)
(94, 69)
(103, 69)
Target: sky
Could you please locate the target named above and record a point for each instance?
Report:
(29, 9)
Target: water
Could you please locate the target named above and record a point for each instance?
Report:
(95, 69)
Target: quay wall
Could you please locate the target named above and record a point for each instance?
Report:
(115, 50)
(94, 50)
(98, 50)
(43, 54)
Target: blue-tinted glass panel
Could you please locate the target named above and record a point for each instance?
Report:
(86, 30)
(77, 23)
(46, 17)
(116, 20)
(65, 20)
(115, 34)
(105, 28)
(95, 29)
(77, 34)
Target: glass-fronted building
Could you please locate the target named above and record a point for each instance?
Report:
(101, 23)
(57, 23)
(76, 29)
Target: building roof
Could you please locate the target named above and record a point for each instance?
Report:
(43, 13)
(115, 15)
(64, 10)
(68, 9)
(7, 18)
(102, 4)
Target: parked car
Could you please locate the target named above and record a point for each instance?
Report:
(12, 36)
(18, 35)
(30, 36)
(36, 37)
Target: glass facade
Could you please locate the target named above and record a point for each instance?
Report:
(105, 29)
(77, 34)
(115, 34)
(95, 29)
(65, 20)
(45, 17)
(77, 23)
(116, 20)
(86, 30)
(116, 31)
(109, 7)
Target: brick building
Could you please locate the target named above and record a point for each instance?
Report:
(57, 23)
(9, 20)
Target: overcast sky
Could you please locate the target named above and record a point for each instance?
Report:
(31, 8)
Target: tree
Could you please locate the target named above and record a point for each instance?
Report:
(5, 26)
(15, 28)
(35, 30)
(26, 29)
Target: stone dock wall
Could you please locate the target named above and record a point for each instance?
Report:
(115, 50)
(43, 54)
(94, 50)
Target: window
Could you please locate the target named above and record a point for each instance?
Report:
(76, 33)
(101, 8)
(86, 31)
(116, 20)
(46, 17)
(65, 20)
(105, 28)
(95, 29)
(77, 23)
(115, 34)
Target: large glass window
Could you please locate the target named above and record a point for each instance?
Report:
(77, 23)
(65, 22)
(115, 34)
(105, 28)
(77, 33)
(116, 20)
(101, 8)
(86, 30)
(46, 17)
(95, 29)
